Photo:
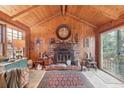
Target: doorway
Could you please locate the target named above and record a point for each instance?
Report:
(112, 52)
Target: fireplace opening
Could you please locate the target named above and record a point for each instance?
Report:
(62, 54)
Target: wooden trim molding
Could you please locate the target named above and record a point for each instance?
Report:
(109, 14)
(28, 38)
(45, 20)
(121, 16)
(110, 25)
(81, 20)
(97, 48)
(64, 9)
(14, 17)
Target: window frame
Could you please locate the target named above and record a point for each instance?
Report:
(1, 39)
(15, 34)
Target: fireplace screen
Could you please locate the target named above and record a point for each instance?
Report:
(62, 55)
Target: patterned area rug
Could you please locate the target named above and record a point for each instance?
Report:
(64, 79)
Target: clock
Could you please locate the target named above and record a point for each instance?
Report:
(63, 32)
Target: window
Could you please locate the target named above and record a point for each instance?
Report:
(20, 35)
(112, 53)
(10, 49)
(9, 35)
(15, 34)
(12, 34)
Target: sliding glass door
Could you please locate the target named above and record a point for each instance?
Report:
(112, 53)
(121, 52)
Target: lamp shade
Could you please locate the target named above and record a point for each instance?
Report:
(19, 43)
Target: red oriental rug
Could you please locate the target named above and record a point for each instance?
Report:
(64, 79)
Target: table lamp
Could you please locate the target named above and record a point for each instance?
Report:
(19, 45)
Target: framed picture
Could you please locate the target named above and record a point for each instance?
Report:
(86, 43)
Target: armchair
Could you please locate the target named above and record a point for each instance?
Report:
(91, 63)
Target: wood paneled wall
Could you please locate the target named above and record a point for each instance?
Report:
(47, 30)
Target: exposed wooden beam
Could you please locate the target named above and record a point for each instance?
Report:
(81, 20)
(45, 20)
(121, 16)
(14, 17)
(114, 17)
(107, 12)
(110, 25)
(64, 9)
(5, 18)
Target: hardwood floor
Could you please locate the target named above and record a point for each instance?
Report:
(35, 77)
(101, 79)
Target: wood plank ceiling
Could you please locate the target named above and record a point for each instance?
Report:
(36, 15)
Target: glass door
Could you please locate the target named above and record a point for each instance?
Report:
(112, 53)
(108, 50)
(121, 53)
